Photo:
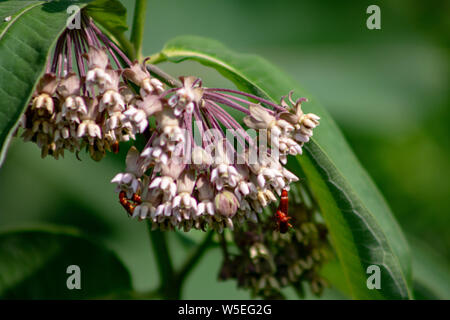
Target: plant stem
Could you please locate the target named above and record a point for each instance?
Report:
(195, 257)
(169, 287)
(164, 77)
(125, 44)
(223, 245)
(137, 32)
(172, 282)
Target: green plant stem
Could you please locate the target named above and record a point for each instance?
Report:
(168, 287)
(172, 282)
(153, 294)
(164, 77)
(125, 44)
(137, 33)
(223, 246)
(194, 258)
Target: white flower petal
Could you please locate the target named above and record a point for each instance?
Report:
(156, 182)
(117, 178)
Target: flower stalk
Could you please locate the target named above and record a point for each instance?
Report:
(172, 281)
(168, 281)
(137, 33)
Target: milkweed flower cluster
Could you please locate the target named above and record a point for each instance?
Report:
(84, 100)
(200, 166)
(267, 261)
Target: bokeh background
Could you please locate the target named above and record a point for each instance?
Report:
(388, 90)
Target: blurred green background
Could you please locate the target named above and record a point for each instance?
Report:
(387, 89)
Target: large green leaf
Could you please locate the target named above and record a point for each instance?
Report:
(34, 262)
(431, 272)
(111, 14)
(362, 227)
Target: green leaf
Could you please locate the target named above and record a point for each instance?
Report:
(34, 262)
(112, 17)
(332, 272)
(25, 42)
(431, 272)
(362, 228)
(111, 14)
(10, 10)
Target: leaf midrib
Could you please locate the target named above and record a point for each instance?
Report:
(351, 189)
(24, 10)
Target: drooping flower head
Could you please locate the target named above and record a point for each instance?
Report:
(84, 100)
(201, 167)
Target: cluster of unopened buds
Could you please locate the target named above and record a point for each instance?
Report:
(268, 261)
(84, 100)
(201, 167)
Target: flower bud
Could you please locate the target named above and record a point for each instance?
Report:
(226, 203)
